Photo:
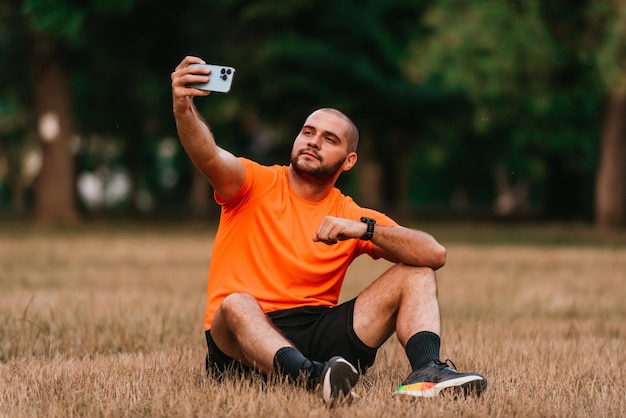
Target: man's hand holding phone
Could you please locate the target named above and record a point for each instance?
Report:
(220, 77)
(193, 77)
(183, 75)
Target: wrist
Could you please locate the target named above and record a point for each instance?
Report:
(369, 232)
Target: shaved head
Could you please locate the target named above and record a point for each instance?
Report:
(352, 133)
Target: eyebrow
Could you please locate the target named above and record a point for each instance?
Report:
(325, 133)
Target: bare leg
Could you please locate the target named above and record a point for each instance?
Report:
(242, 331)
(402, 300)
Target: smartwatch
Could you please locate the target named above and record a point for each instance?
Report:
(370, 228)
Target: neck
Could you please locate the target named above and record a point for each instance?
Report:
(308, 187)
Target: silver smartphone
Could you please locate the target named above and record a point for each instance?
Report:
(220, 79)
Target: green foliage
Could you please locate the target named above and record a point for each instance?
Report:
(445, 90)
(67, 19)
(535, 101)
(60, 17)
(496, 52)
(346, 55)
(610, 52)
(10, 108)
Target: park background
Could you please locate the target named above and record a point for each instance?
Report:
(481, 109)
(496, 126)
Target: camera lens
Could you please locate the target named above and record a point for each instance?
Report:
(228, 71)
(224, 77)
(223, 71)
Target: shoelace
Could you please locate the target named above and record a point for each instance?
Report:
(421, 374)
(447, 363)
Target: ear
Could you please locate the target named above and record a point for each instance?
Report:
(350, 161)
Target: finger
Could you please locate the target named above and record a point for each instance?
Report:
(327, 241)
(320, 232)
(179, 79)
(327, 233)
(185, 75)
(320, 236)
(183, 91)
(189, 59)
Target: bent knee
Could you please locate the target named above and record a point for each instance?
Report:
(422, 278)
(238, 302)
(412, 272)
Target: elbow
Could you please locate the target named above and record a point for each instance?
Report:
(440, 255)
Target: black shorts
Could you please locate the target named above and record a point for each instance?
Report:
(319, 332)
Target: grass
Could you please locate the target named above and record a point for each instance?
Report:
(107, 321)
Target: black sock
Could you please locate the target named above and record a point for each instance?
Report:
(422, 348)
(290, 362)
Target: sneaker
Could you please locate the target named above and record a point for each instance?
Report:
(336, 381)
(437, 376)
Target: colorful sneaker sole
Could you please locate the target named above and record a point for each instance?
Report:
(468, 385)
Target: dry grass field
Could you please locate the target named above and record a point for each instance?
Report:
(107, 321)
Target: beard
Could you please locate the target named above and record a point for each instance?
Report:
(322, 174)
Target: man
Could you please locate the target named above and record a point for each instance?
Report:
(285, 239)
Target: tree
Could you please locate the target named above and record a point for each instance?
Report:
(55, 28)
(608, 26)
(349, 57)
(100, 69)
(48, 22)
(530, 71)
(55, 192)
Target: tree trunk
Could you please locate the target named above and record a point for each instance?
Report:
(611, 174)
(55, 188)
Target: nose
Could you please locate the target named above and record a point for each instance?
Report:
(314, 142)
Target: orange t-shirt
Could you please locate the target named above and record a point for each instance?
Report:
(264, 244)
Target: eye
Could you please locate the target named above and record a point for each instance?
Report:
(330, 139)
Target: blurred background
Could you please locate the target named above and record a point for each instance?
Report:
(467, 109)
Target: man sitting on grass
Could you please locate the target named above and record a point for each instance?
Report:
(285, 240)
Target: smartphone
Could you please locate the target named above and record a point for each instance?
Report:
(220, 79)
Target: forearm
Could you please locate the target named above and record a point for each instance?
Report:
(196, 138)
(409, 246)
(396, 243)
(223, 170)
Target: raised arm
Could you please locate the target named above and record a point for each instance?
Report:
(223, 170)
(394, 243)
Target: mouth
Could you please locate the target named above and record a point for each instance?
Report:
(311, 154)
